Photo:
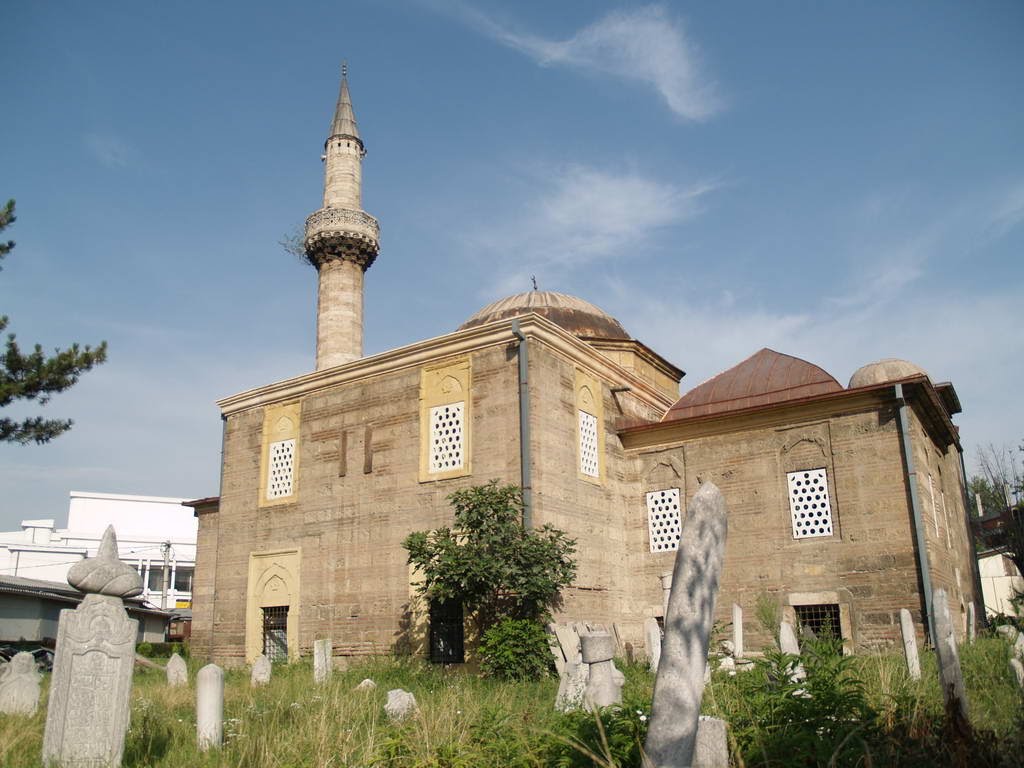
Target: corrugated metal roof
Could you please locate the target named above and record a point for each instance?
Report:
(765, 378)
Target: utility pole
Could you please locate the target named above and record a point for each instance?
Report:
(166, 549)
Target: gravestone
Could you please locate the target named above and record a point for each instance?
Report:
(177, 671)
(712, 747)
(679, 685)
(737, 631)
(950, 677)
(210, 707)
(1018, 671)
(970, 622)
(910, 644)
(666, 591)
(604, 688)
(788, 644)
(556, 650)
(19, 685)
(400, 704)
(569, 641)
(1007, 632)
(366, 685)
(1018, 647)
(652, 637)
(571, 686)
(91, 686)
(262, 669)
(321, 661)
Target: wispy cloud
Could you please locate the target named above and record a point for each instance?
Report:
(112, 151)
(1009, 212)
(646, 45)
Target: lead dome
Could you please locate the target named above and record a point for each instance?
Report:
(889, 369)
(578, 317)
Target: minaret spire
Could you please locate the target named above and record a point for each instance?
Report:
(342, 240)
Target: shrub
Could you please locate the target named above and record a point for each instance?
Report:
(515, 649)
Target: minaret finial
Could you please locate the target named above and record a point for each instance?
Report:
(344, 69)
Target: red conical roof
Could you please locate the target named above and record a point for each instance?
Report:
(765, 378)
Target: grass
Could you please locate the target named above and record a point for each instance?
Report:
(865, 711)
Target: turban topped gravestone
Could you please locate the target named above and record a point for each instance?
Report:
(90, 692)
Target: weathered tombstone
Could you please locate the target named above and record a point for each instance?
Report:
(712, 747)
(261, 671)
(679, 686)
(569, 640)
(91, 687)
(1018, 670)
(910, 644)
(1007, 632)
(366, 685)
(737, 631)
(652, 637)
(177, 671)
(1018, 647)
(556, 650)
(400, 704)
(210, 707)
(321, 661)
(19, 685)
(603, 689)
(728, 660)
(970, 622)
(950, 677)
(788, 644)
(666, 591)
(572, 686)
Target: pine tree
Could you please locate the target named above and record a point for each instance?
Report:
(35, 375)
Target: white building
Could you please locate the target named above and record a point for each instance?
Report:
(151, 531)
(1000, 581)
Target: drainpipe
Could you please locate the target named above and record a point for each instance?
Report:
(979, 592)
(524, 425)
(915, 506)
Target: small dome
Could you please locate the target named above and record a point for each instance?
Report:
(578, 317)
(890, 369)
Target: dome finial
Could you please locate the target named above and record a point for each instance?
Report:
(533, 279)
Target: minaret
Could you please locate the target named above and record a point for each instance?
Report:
(341, 240)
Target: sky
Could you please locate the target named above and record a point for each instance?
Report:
(842, 182)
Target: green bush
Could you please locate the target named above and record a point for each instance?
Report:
(144, 649)
(515, 649)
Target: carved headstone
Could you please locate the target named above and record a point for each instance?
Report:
(788, 644)
(261, 671)
(321, 661)
(366, 685)
(210, 707)
(569, 641)
(712, 749)
(603, 688)
(400, 704)
(737, 631)
(679, 686)
(177, 671)
(910, 644)
(572, 686)
(19, 685)
(950, 677)
(90, 690)
(652, 637)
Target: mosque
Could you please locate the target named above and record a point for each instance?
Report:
(846, 504)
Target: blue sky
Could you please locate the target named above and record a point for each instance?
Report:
(841, 182)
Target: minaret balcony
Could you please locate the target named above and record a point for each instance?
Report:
(342, 232)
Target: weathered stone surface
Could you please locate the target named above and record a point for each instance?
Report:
(19, 685)
(1018, 647)
(321, 661)
(666, 591)
(970, 622)
(556, 650)
(400, 704)
(910, 644)
(366, 685)
(262, 669)
(569, 641)
(1007, 632)
(712, 748)
(950, 677)
(106, 574)
(737, 630)
(679, 686)
(210, 707)
(652, 637)
(788, 644)
(90, 689)
(1018, 671)
(603, 687)
(572, 686)
(177, 671)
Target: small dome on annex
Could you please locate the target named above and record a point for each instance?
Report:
(578, 317)
(881, 371)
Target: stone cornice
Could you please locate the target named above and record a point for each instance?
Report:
(412, 356)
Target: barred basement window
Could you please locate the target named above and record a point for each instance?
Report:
(282, 461)
(822, 620)
(275, 633)
(809, 504)
(589, 464)
(663, 522)
(446, 437)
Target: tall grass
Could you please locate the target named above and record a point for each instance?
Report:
(863, 711)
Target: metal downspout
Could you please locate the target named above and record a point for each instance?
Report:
(915, 506)
(979, 591)
(524, 425)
